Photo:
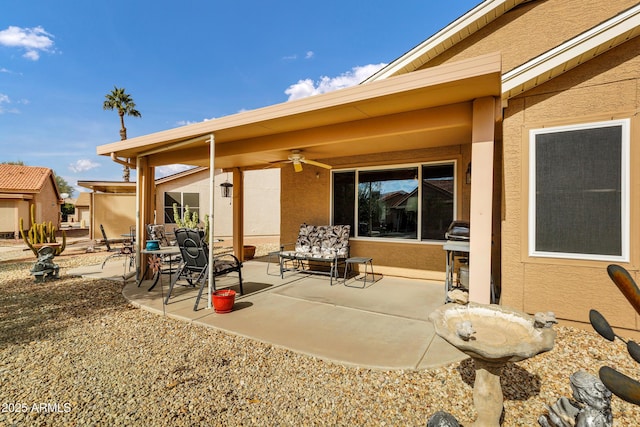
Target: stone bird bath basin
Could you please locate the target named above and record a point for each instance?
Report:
(498, 335)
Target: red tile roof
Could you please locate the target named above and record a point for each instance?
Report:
(23, 179)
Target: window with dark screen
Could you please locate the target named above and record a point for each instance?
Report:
(578, 193)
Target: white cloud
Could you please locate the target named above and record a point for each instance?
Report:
(83, 165)
(5, 101)
(309, 55)
(32, 40)
(162, 171)
(185, 122)
(5, 104)
(192, 122)
(308, 87)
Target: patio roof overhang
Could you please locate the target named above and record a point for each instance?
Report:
(431, 107)
(109, 186)
(451, 104)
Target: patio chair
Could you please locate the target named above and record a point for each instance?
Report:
(156, 232)
(195, 263)
(126, 250)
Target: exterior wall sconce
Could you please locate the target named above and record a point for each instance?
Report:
(227, 189)
(468, 174)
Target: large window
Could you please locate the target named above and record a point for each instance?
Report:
(579, 191)
(182, 200)
(413, 202)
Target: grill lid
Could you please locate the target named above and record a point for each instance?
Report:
(458, 230)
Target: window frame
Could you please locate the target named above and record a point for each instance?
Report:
(180, 206)
(418, 239)
(625, 194)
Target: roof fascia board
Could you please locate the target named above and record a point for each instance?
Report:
(20, 196)
(55, 185)
(465, 23)
(182, 174)
(515, 81)
(91, 184)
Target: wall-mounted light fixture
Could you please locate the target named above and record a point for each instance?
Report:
(227, 189)
(468, 174)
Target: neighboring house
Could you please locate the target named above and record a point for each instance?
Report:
(82, 214)
(113, 204)
(191, 187)
(21, 187)
(541, 97)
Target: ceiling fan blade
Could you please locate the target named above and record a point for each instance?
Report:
(297, 166)
(313, 162)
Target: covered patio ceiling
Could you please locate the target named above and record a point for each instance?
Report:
(427, 108)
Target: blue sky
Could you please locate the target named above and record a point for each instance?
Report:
(182, 62)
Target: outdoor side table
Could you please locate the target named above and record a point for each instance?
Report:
(271, 255)
(368, 264)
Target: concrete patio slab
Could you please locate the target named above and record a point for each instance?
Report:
(382, 326)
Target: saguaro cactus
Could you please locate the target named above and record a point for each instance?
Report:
(190, 220)
(40, 234)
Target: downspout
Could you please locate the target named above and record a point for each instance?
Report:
(123, 162)
(139, 246)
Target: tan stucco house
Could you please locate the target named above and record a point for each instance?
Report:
(112, 204)
(20, 188)
(82, 214)
(520, 117)
(191, 187)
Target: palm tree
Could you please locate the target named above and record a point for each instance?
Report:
(118, 100)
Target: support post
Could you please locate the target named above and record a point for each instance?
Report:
(238, 213)
(483, 134)
(145, 201)
(212, 169)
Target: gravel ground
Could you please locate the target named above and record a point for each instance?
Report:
(74, 353)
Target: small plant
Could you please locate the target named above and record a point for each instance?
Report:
(190, 220)
(40, 234)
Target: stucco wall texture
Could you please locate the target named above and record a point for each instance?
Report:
(604, 88)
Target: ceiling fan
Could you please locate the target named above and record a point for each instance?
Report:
(298, 159)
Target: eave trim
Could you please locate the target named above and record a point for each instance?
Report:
(560, 59)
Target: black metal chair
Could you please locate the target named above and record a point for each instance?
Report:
(195, 263)
(126, 250)
(157, 232)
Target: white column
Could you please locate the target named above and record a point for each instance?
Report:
(481, 200)
(212, 168)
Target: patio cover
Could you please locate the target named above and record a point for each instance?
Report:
(449, 104)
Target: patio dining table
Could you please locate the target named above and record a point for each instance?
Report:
(165, 252)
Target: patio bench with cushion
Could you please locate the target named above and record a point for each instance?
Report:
(317, 248)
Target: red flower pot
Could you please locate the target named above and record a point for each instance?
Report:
(223, 300)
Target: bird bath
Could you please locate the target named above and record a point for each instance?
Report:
(491, 335)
